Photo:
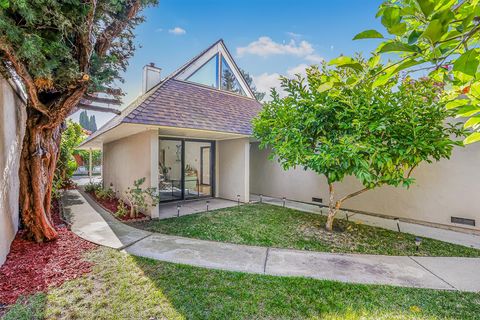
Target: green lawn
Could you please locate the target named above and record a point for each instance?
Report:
(274, 226)
(127, 287)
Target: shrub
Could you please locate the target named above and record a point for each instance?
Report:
(141, 199)
(122, 209)
(105, 193)
(93, 187)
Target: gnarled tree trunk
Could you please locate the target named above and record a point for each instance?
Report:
(40, 150)
(334, 206)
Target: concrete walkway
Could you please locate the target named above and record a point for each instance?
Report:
(92, 223)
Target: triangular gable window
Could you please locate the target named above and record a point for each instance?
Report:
(217, 75)
(229, 81)
(207, 74)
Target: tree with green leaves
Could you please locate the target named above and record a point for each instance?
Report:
(440, 37)
(64, 52)
(66, 164)
(338, 123)
(258, 94)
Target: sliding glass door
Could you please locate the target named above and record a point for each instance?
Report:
(186, 169)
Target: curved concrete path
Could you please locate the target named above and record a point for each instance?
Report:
(91, 222)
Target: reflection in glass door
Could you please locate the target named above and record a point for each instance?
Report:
(185, 169)
(170, 169)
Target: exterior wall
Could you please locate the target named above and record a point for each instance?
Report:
(234, 169)
(131, 158)
(12, 129)
(442, 189)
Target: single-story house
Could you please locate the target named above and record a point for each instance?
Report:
(190, 136)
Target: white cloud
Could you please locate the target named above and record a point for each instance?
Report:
(300, 69)
(314, 58)
(294, 35)
(266, 81)
(159, 30)
(265, 47)
(177, 31)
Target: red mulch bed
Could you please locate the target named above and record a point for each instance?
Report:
(112, 204)
(33, 267)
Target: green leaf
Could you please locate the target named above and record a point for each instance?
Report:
(413, 37)
(325, 87)
(407, 64)
(381, 80)
(434, 31)
(456, 103)
(374, 60)
(472, 122)
(347, 62)
(475, 89)
(391, 17)
(397, 46)
(369, 34)
(4, 4)
(467, 63)
(426, 6)
(398, 29)
(474, 137)
(468, 111)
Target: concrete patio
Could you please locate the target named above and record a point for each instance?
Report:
(182, 208)
(91, 222)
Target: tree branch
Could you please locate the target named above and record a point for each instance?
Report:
(351, 195)
(104, 41)
(84, 41)
(27, 80)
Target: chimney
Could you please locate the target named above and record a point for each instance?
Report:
(151, 77)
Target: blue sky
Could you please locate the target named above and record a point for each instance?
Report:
(267, 38)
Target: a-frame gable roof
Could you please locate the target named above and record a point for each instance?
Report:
(175, 102)
(200, 60)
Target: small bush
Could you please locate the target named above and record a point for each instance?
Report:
(93, 187)
(104, 194)
(122, 209)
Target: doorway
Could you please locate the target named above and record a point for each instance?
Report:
(186, 168)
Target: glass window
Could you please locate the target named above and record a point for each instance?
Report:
(228, 80)
(207, 74)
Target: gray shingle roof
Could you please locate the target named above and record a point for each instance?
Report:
(186, 105)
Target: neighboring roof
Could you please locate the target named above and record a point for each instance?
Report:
(181, 104)
(187, 105)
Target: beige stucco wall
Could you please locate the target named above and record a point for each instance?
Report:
(131, 158)
(12, 128)
(442, 189)
(233, 162)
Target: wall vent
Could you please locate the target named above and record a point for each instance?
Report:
(319, 200)
(468, 222)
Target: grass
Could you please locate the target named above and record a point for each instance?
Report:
(122, 286)
(274, 226)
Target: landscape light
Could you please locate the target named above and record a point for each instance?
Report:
(261, 198)
(207, 204)
(398, 223)
(284, 201)
(418, 242)
(178, 209)
(238, 199)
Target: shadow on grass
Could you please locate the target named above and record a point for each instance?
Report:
(122, 286)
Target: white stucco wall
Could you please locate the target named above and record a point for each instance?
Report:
(233, 164)
(12, 129)
(442, 189)
(131, 158)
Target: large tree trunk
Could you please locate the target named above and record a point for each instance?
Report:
(37, 166)
(332, 208)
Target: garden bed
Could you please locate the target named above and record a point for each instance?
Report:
(35, 267)
(111, 204)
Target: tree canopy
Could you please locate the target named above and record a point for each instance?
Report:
(337, 122)
(67, 54)
(440, 37)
